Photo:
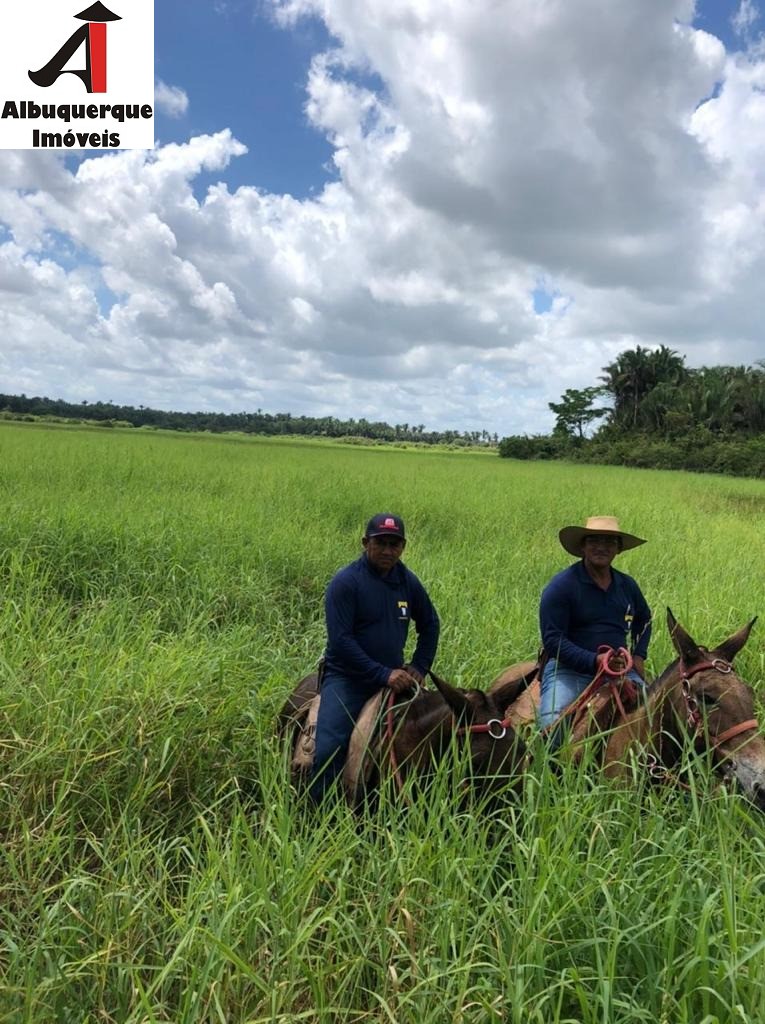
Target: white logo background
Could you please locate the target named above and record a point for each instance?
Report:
(33, 32)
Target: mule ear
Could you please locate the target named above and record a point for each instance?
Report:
(729, 648)
(685, 645)
(456, 699)
(505, 692)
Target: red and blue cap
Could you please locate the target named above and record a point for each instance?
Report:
(385, 524)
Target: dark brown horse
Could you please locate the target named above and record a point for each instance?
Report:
(412, 733)
(698, 699)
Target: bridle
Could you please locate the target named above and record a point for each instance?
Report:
(694, 720)
(495, 728)
(500, 724)
(693, 716)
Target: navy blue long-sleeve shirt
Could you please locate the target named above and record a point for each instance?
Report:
(576, 616)
(368, 621)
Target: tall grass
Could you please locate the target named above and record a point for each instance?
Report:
(161, 595)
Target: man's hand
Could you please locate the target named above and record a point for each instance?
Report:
(414, 673)
(400, 679)
(611, 662)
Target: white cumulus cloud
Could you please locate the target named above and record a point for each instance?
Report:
(745, 16)
(170, 99)
(610, 155)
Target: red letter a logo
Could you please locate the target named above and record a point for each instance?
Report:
(94, 35)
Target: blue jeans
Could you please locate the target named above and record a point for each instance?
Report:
(341, 702)
(560, 687)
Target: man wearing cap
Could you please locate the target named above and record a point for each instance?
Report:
(368, 605)
(588, 605)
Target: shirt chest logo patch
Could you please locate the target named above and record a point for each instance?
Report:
(403, 609)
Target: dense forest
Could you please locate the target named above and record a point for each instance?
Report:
(650, 409)
(109, 415)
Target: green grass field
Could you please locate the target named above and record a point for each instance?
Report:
(160, 596)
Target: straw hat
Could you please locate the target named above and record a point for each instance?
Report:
(572, 537)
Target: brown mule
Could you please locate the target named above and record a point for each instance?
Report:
(413, 734)
(698, 698)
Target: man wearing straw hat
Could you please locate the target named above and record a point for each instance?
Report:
(588, 605)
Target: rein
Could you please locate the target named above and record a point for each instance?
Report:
(613, 676)
(390, 721)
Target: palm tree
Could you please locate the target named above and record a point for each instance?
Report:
(627, 379)
(634, 374)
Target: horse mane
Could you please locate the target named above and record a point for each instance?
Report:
(668, 671)
(477, 698)
(428, 701)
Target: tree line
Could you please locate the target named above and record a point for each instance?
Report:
(647, 409)
(650, 409)
(258, 422)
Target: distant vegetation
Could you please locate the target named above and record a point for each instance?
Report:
(107, 414)
(661, 415)
(649, 410)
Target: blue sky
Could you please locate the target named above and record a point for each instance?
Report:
(717, 16)
(240, 70)
(446, 211)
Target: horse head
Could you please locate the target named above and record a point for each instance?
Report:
(497, 751)
(718, 708)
